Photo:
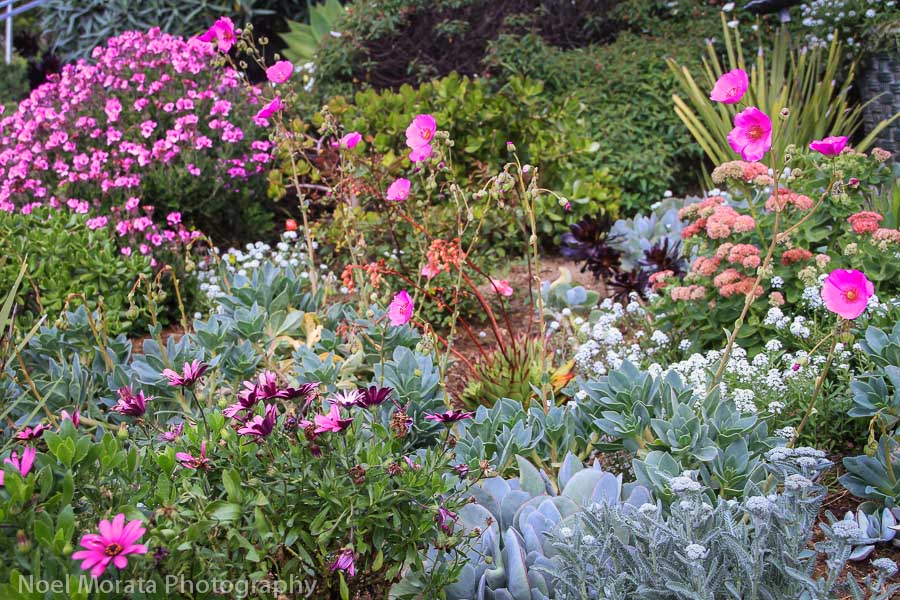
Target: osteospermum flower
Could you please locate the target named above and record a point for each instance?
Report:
(75, 417)
(222, 33)
(847, 292)
(114, 543)
(129, 403)
(191, 462)
(398, 190)
(373, 396)
(752, 134)
(450, 416)
(332, 421)
(191, 372)
(261, 425)
(32, 433)
(280, 72)
(22, 465)
(344, 562)
(401, 309)
(830, 146)
(730, 87)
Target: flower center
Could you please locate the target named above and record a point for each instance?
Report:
(755, 132)
(851, 294)
(426, 134)
(113, 549)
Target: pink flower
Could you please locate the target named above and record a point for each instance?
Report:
(450, 417)
(401, 309)
(399, 190)
(730, 87)
(280, 72)
(173, 218)
(430, 270)
(830, 146)
(421, 131)
(752, 134)
(23, 465)
(865, 222)
(350, 140)
(502, 287)
(193, 371)
(222, 32)
(30, 433)
(260, 426)
(262, 117)
(847, 292)
(173, 433)
(421, 153)
(188, 461)
(74, 417)
(131, 404)
(344, 562)
(115, 541)
(332, 421)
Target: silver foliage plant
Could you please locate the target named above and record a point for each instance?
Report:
(708, 548)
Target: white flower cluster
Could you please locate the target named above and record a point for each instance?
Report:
(824, 16)
(289, 252)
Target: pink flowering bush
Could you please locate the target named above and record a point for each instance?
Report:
(150, 139)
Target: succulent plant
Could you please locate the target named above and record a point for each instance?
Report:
(664, 255)
(635, 237)
(874, 477)
(589, 242)
(878, 525)
(625, 283)
(512, 557)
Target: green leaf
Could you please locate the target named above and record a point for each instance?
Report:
(231, 479)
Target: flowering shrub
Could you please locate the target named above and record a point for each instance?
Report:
(148, 138)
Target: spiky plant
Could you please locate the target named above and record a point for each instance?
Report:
(589, 242)
(625, 283)
(664, 256)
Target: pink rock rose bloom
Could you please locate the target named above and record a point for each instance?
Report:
(847, 292)
(419, 135)
(502, 286)
(262, 117)
(830, 146)
(399, 190)
(280, 72)
(730, 87)
(752, 134)
(401, 309)
(114, 543)
(222, 33)
(350, 140)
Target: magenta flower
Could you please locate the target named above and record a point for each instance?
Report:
(332, 421)
(373, 396)
(32, 433)
(173, 433)
(421, 131)
(830, 146)
(421, 153)
(348, 398)
(502, 287)
(445, 519)
(131, 404)
(401, 309)
(399, 190)
(190, 462)
(450, 417)
(222, 33)
(261, 425)
(114, 543)
(730, 87)
(752, 134)
(22, 465)
(74, 417)
(350, 140)
(344, 562)
(280, 72)
(847, 292)
(262, 117)
(193, 371)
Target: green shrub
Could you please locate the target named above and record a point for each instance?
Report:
(66, 257)
(13, 82)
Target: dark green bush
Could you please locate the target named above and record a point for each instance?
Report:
(66, 257)
(13, 82)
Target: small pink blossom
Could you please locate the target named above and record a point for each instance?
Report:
(398, 190)
(32, 433)
(830, 146)
(344, 562)
(401, 309)
(261, 425)
(332, 421)
(192, 371)
(75, 417)
(350, 140)
(280, 72)
(115, 541)
(188, 461)
(262, 117)
(421, 131)
(847, 292)
(502, 287)
(752, 134)
(22, 465)
(222, 33)
(730, 87)
(421, 153)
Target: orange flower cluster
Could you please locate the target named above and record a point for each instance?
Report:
(715, 219)
(442, 255)
(784, 198)
(865, 222)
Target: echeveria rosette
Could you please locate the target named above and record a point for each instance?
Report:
(752, 134)
(113, 544)
(846, 292)
(730, 87)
